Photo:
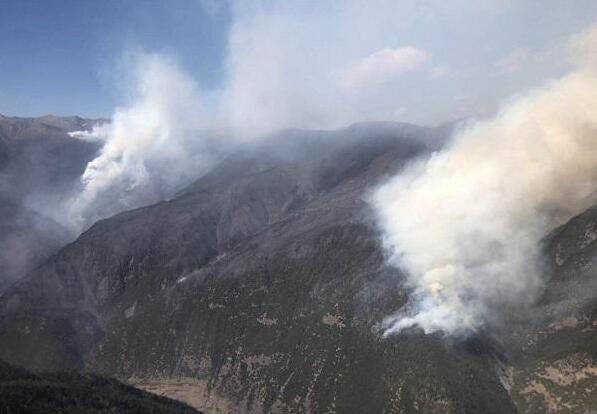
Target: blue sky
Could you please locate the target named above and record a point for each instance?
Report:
(57, 55)
(303, 63)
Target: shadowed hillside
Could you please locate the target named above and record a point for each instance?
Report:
(28, 393)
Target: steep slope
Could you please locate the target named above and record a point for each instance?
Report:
(28, 393)
(257, 289)
(553, 354)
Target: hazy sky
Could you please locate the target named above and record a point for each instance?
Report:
(304, 63)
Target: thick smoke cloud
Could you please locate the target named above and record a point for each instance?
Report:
(163, 136)
(466, 224)
(151, 146)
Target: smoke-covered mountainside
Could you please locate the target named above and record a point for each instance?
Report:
(261, 288)
(27, 393)
(553, 356)
(39, 164)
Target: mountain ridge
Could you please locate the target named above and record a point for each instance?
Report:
(260, 288)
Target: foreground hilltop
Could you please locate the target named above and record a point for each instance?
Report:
(28, 393)
(260, 287)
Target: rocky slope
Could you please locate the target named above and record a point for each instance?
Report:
(259, 288)
(553, 354)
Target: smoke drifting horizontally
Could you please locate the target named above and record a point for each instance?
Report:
(466, 224)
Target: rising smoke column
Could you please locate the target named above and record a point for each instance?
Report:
(156, 140)
(466, 224)
(151, 146)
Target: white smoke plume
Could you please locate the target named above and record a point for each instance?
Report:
(466, 224)
(274, 78)
(150, 146)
